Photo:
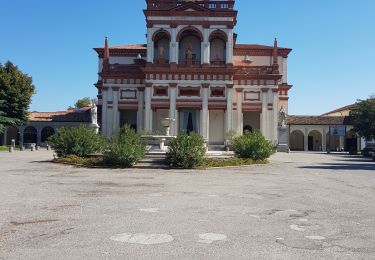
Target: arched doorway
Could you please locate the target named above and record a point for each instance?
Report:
(351, 143)
(46, 133)
(30, 135)
(315, 141)
(333, 142)
(12, 133)
(297, 142)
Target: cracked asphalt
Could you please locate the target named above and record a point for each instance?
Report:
(300, 206)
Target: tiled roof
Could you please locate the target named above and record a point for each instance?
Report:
(318, 120)
(81, 115)
(349, 107)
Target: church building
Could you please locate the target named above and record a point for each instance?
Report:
(193, 70)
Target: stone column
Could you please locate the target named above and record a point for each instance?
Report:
(205, 122)
(172, 47)
(239, 129)
(324, 139)
(229, 47)
(172, 107)
(109, 112)
(104, 110)
(21, 129)
(306, 140)
(229, 112)
(275, 117)
(148, 110)
(206, 47)
(38, 135)
(140, 113)
(264, 117)
(150, 45)
(116, 114)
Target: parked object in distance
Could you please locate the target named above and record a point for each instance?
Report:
(370, 147)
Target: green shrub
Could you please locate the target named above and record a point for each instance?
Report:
(252, 145)
(4, 148)
(125, 148)
(186, 151)
(80, 141)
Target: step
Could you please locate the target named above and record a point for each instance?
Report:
(216, 147)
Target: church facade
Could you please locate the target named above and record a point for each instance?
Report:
(193, 70)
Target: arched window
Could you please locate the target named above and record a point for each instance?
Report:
(30, 135)
(46, 133)
(189, 47)
(218, 46)
(161, 47)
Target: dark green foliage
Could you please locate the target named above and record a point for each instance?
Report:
(125, 148)
(16, 90)
(83, 102)
(253, 145)
(363, 118)
(80, 141)
(230, 162)
(186, 151)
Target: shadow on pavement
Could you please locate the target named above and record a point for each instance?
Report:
(370, 166)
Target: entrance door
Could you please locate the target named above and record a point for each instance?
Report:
(189, 121)
(311, 143)
(216, 134)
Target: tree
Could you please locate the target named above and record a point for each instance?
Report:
(83, 102)
(16, 90)
(363, 118)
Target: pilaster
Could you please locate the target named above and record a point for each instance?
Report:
(205, 113)
(148, 110)
(263, 123)
(229, 112)
(116, 113)
(104, 110)
(275, 113)
(172, 107)
(239, 128)
(140, 113)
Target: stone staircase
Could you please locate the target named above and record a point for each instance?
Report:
(152, 160)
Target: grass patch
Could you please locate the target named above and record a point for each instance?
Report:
(4, 148)
(81, 161)
(230, 162)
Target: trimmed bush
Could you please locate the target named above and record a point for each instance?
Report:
(253, 145)
(186, 151)
(125, 148)
(80, 141)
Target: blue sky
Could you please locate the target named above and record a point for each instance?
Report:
(331, 65)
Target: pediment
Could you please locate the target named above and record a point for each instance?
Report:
(190, 7)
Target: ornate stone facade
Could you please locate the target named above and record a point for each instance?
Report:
(193, 70)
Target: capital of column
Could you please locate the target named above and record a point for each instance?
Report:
(239, 90)
(105, 88)
(264, 89)
(148, 85)
(230, 85)
(205, 85)
(115, 88)
(275, 90)
(141, 89)
(173, 85)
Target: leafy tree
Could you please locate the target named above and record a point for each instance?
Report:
(83, 102)
(16, 90)
(363, 118)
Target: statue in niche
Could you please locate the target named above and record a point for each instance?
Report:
(161, 52)
(217, 53)
(189, 52)
(282, 117)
